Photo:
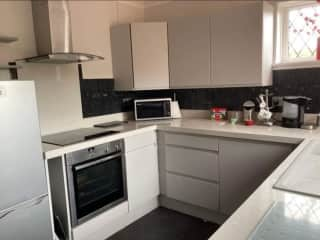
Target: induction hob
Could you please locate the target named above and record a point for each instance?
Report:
(76, 136)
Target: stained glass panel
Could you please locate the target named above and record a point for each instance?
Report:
(303, 32)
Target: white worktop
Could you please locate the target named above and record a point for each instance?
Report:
(244, 221)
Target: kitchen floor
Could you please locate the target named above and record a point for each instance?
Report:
(163, 223)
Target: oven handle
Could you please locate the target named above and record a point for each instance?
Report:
(77, 168)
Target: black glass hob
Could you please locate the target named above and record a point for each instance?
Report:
(76, 136)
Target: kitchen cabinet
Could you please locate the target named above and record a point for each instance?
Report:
(142, 169)
(193, 191)
(242, 45)
(189, 52)
(214, 173)
(140, 56)
(243, 167)
(189, 169)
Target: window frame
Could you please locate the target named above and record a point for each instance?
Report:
(281, 51)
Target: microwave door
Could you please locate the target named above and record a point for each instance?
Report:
(153, 110)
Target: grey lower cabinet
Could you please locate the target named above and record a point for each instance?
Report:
(244, 165)
(214, 173)
(189, 170)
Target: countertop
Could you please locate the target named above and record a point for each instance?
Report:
(245, 220)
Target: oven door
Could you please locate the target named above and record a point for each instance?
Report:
(96, 186)
(150, 110)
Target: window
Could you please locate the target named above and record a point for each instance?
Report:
(298, 30)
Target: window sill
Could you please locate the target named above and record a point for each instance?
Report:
(296, 65)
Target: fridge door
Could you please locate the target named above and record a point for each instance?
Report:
(29, 221)
(22, 173)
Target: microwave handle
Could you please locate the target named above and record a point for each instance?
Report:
(101, 160)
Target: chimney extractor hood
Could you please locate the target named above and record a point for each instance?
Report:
(52, 27)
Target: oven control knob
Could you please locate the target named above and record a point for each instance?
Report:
(117, 147)
(91, 150)
(107, 149)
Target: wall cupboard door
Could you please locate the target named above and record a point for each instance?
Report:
(121, 56)
(140, 56)
(189, 52)
(150, 55)
(241, 52)
(244, 165)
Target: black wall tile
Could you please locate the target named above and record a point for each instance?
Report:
(99, 98)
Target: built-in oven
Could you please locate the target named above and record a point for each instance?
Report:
(96, 180)
(151, 109)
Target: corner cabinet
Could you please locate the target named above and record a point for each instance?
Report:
(210, 177)
(140, 56)
(242, 45)
(244, 165)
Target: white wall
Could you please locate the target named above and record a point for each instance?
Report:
(58, 91)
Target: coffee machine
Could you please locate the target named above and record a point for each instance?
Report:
(293, 111)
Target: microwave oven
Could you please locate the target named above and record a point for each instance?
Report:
(152, 109)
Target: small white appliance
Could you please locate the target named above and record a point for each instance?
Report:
(175, 109)
(153, 109)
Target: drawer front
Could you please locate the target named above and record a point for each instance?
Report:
(193, 191)
(140, 140)
(201, 142)
(192, 162)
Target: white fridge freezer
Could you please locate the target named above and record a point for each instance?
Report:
(24, 205)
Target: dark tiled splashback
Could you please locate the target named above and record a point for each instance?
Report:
(99, 98)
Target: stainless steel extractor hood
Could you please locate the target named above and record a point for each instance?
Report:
(52, 27)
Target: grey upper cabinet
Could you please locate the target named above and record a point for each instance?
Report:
(189, 52)
(242, 45)
(140, 56)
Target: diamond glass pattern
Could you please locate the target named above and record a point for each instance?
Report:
(303, 32)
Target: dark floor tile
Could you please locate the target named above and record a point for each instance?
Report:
(165, 224)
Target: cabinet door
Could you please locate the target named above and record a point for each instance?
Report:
(150, 55)
(193, 191)
(192, 162)
(236, 38)
(189, 52)
(244, 166)
(142, 175)
(121, 56)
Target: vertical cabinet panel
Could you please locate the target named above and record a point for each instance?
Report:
(121, 56)
(236, 35)
(243, 167)
(150, 55)
(189, 52)
(142, 175)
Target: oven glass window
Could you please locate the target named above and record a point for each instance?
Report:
(156, 109)
(98, 185)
